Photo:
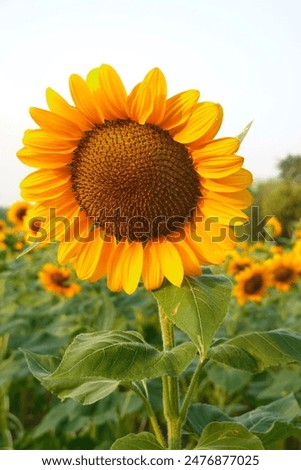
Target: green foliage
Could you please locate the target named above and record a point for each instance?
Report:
(96, 363)
(198, 308)
(254, 352)
(290, 168)
(247, 395)
(227, 436)
(142, 441)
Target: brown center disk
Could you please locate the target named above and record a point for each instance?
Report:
(283, 274)
(254, 284)
(135, 180)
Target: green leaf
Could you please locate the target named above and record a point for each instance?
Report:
(40, 365)
(277, 420)
(121, 355)
(142, 441)
(243, 134)
(27, 250)
(85, 391)
(197, 308)
(202, 414)
(95, 363)
(254, 352)
(228, 436)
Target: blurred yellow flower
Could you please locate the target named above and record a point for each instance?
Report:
(238, 264)
(284, 270)
(252, 283)
(17, 212)
(274, 226)
(58, 280)
(2, 226)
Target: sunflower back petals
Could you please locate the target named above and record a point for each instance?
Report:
(83, 99)
(59, 106)
(203, 124)
(158, 89)
(111, 93)
(178, 110)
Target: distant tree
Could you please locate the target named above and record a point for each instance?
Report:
(290, 168)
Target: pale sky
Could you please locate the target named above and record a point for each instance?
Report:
(244, 54)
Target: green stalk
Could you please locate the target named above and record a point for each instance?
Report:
(6, 442)
(151, 413)
(189, 393)
(170, 388)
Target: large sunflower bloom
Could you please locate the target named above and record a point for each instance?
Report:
(58, 280)
(252, 283)
(144, 187)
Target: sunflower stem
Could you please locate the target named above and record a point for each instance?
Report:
(6, 442)
(151, 413)
(189, 393)
(170, 388)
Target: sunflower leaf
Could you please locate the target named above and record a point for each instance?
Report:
(95, 363)
(257, 351)
(228, 435)
(197, 308)
(141, 441)
(244, 132)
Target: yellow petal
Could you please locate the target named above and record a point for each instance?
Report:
(189, 259)
(78, 234)
(203, 124)
(218, 147)
(83, 99)
(170, 262)
(210, 241)
(219, 167)
(43, 160)
(108, 248)
(61, 213)
(240, 199)
(132, 261)
(232, 183)
(178, 109)
(40, 139)
(45, 184)
(55, 124)
(111, 93)
(59, 105)
(151, 272)
(89, 254)
(222, 213)
(158, 89)
(115, 267)
(140, 103)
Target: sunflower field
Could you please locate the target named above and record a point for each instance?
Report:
(44, 307)
(130, 317)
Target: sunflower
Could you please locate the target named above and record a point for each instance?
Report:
(58, 280)
(134, 185)
(2, 226)
(252, 283)
(238, 264)
(284, 270)
(273, 225)
(17, 212)
(32, 226)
